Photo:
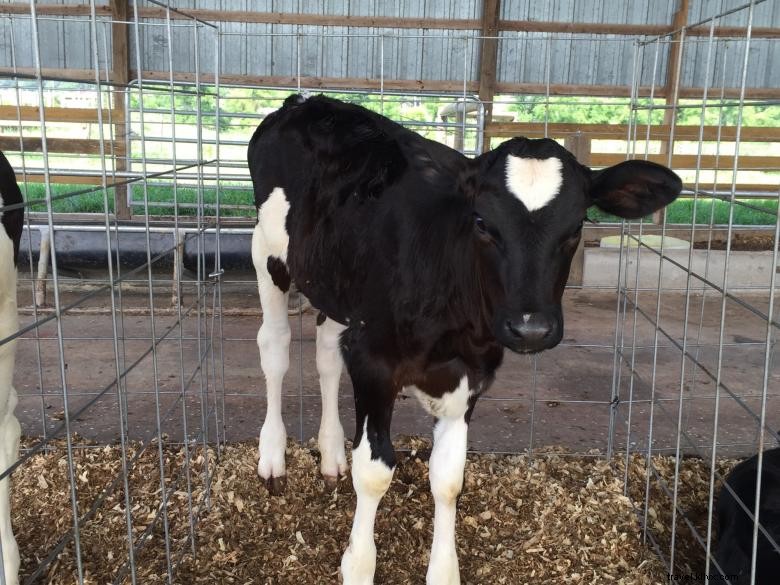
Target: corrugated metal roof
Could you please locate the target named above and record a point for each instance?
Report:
(591, 11)
(255, 49)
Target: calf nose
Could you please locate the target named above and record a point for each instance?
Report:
(532, 330)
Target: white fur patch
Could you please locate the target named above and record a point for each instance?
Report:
(9, 425)
(370, 478)
(1, 205)
(333, 461)
(447, 462)
(9, 321)
(273, 339)
(534, 181)
(450, 404)
(271, 219)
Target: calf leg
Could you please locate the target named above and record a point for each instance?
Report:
(333, 461)
(9, 449)
(447, 462)
(273, 340)
(9, 425)
(373, 463)
(448, 459)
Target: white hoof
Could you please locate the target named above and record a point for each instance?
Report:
(11, 562)
(357, 566)
(443, 569)
(333, 456)
(273, 439)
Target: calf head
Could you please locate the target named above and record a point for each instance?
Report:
(530, 198)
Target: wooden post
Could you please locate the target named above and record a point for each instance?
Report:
(488, 61)
(460, 120)
(120, 76)
(579, 145)
(672, 87)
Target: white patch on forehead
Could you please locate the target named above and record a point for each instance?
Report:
(534, 181)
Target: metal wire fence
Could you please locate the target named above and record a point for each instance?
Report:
(720, 343)
(141, 333)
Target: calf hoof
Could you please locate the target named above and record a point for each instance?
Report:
(357, 567)
(276, 485)
(331, 482)
(11, 563)
(443, 569)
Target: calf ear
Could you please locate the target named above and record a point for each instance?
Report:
(437, 163)
(634, 188)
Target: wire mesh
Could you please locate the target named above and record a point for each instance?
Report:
(718, 337)
(149, 342)
(141, 384)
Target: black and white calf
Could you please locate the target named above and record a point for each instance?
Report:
(425, 265)
(734, 549)
(10, 234)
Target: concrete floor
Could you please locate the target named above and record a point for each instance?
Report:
(560, 397)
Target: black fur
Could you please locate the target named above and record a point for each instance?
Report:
(735, 529)
(421, 252)
(13, 219)
(279, 274)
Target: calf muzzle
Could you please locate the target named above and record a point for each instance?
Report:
(532, 332)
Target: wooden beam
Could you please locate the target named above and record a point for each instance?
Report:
(631, 30)
(690, 161)
(625, 90)
(69, 115)
(340, 20)
(579, 145)
(59, 145)
(620, 131)
(254, 17)
(766, 190)
(583, 28)
(21, 8)
(60, 179)
(672, 85)
(738, 32)
(290, 81)
(488, 59)
(120, 75)
(88, 76)
(81, 75)
(673, 66)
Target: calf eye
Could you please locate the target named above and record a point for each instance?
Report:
(479, 223)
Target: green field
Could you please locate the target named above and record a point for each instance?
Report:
(681, 212)
(161, 199)
(161, 204)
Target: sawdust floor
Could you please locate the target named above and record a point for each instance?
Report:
(551, 519)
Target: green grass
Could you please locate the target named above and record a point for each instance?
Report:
(82, 203)
(189, 196)
(680, 211)
(94, 202)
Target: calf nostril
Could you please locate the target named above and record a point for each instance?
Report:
(513, 329)
(531, 328)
